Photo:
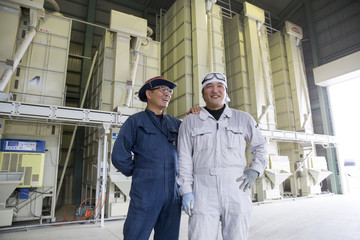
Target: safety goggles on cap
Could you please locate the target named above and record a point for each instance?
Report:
(217, 75)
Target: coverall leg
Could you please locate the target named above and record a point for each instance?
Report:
(205, 219)
(152, 205)
(166, 219)
(219, 199)
(236, 207)
(168, 222)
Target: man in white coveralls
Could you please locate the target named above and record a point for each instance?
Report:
(214, 184)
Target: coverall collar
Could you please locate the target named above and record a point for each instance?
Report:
(153, 114)
(204, 114)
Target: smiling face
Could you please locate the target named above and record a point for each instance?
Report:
(214, 95)
(158, 100)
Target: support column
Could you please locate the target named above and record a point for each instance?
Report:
(199, 48)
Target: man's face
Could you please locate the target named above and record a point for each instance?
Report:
(214, 95)
(159, 97)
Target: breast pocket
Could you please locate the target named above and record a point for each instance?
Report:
(203, 139)
(235, 138)
(148, 130)
(146, 138)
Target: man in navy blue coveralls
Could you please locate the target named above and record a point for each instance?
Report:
(151, 135)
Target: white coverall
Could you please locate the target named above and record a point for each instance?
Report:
(211, 158)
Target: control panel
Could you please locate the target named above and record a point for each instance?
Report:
(22, 145)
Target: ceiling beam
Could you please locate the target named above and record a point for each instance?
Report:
(292, 8)
(136, 6)
(147, 3)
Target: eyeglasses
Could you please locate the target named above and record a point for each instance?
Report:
(163, 89)
(210, 76)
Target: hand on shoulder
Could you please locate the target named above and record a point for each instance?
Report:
(194, 110)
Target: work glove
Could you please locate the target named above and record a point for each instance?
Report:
(188, 202)
(248, 179)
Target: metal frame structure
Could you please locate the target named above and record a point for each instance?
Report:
(20, 111)
(94, 118)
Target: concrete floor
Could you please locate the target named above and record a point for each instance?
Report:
(329, 217)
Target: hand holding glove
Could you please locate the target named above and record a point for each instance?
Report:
(248, 179)
(188, 202)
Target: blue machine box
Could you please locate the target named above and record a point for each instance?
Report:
(22, 145)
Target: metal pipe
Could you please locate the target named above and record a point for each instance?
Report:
(98, 170)
(104, 171)
(5, 78)
(266, 72)
(149, 31)
(133, 72)
(304, 85)
(302, 163)
(208, 6)
(88, 80)
(294, 174)
(307, 118)
(263, 114)
(88, 23)
(66, 163)
(210, 45)
(75, 129)
(78, 56)
(54, 4)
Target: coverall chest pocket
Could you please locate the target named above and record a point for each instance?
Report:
(146, 138)
(148, 130)
(235, 137)
(202, 139)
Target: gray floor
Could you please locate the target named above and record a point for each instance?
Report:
(323, 217)
(329, 217)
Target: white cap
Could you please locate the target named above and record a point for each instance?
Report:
(215, 77)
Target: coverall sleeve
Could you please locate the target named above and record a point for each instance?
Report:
(185, 175)
(257, 147)
(121, 155)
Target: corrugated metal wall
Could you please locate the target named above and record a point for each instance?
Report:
(331, 31)
(336, 33)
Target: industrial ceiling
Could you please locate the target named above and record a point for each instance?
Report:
(331, 31)
(279, 11)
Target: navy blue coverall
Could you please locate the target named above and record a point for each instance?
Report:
(155, 199)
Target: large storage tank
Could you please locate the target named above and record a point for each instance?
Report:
(9, 13)
(39, 78)
(250, 79)
(185, 58)
(108, 91)
(293, 108)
